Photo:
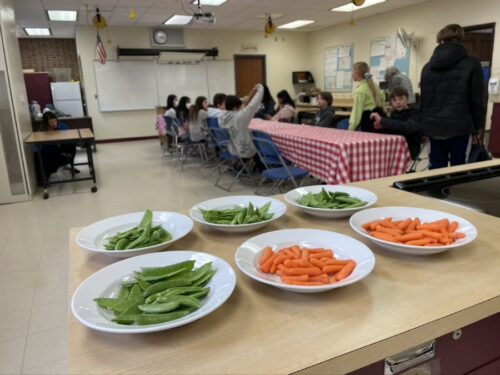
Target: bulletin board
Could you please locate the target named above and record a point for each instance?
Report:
(386, 52)
(338, 68)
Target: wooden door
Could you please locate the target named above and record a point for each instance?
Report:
(249, 70)
(479, 41)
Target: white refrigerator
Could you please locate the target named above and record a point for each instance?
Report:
(67, 98)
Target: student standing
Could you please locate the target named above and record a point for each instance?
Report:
(452, 90)
(218, 107)
(395, 78)
(367, 98)
(266, 107)
(286, 107)
(237, 118)
(198, 128)
(326, 115)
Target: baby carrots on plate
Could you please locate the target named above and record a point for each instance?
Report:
(414, 232)
(305, 267)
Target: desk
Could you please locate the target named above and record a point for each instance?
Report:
(339, 156)
(263, 330)
(85, 136)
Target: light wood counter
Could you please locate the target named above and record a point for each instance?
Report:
(53, 136)
(263, 330)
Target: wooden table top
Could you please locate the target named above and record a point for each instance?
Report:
(53, 136)
(59, 136)
(263, 330)
(86, 133)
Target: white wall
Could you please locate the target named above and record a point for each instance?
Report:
(425, 19)
(282, 57)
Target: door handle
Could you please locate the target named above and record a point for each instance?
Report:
(409, 358)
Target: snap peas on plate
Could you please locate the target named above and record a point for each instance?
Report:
(238, 215)
(330, 200)
(160, 294)
(143, 235)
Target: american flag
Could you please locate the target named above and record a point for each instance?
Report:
(101, 51)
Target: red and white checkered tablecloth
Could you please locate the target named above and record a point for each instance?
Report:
(338, 156)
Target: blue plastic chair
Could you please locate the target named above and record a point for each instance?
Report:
(343, 124)
(278, 174)
(213, 123)
(270, 160)
(228, 160)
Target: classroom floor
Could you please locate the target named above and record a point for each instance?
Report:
(132, 176)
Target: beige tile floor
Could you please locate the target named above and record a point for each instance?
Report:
(34, 244)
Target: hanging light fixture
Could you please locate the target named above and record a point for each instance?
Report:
(132, 15)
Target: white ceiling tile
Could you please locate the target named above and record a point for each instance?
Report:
(234, 14)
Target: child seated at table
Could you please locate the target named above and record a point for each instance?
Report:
(237, 119)
(218, 107)
(404, 120)
(55, 156)
(198, 128)
(326, 115)
(286, 107)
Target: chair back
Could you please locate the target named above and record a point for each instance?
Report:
(343, 124)
(269, 153)
(259, 134)
(220, 136)
(213, 123)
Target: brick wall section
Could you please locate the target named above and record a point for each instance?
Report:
(45, 54)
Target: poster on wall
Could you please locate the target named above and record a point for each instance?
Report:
(385, 52)
(338, 68)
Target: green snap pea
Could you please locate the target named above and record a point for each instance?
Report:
(238, 215)
(157, 301)
(158, 308)
(158, 273)
(162, 285)
(143, 235)
(106, 303)
(330, 200)
(148, 319)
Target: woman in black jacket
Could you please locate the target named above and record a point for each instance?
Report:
(452, 105)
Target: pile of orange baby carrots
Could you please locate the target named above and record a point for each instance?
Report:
(414, 232)
(306, 267)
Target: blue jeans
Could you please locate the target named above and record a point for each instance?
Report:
(452, 150)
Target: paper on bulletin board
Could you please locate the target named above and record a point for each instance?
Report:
(340, 80)
(344, 51)
(378, 48)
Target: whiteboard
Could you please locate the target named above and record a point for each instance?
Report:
(136, 85)
(126, 85)
(182, 80)
(221, 78)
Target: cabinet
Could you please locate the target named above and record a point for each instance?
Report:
(474, 350)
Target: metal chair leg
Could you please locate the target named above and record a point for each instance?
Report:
(262, 180)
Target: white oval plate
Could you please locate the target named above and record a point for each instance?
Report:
(425, 215)
(292, 196)
(248, 254)
(93, 237)
(107, 281)
(277, 208)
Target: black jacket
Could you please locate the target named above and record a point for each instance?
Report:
(325, 118)
(452, 90)
(406, 123)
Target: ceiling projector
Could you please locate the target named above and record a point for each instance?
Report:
(202, 17)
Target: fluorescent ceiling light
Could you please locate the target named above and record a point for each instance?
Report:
(351, 7)
(37, 31)
(178, 20)
(295, 24)
(212, 3)
(62, 15)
